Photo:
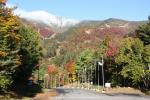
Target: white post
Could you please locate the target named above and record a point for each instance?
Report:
(91, 78)
(78, 79)
(95, 77)
(103, 73)
(102, 64)
(58, 80)
(85, 79)
(98, 77)
(55, 81)
(68, 80)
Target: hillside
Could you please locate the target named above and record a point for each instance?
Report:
(86, 34)
(49, 25)
(99, 28)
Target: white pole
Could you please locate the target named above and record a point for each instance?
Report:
(103, 71)
(50, 82)
(95, 77)
(98, 76)
(91, 77)
(72, 81)
(68, 80)
(58, 80)
(85, 79)
(63, 80)
(78, 80)
(82, 78)
(55, 81)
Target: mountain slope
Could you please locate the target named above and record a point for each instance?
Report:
(50, 25)
(100, 28)
(75, 38)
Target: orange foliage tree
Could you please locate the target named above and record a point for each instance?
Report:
(52, 69)
(71, 68)
(3, 1)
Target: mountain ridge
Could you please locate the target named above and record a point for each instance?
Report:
(50, 25)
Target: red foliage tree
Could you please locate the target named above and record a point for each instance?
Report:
(112, 47)
(52, 69)
(46, 32)
(111, 51)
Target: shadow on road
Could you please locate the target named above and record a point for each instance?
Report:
(63, 91)
(125, 94)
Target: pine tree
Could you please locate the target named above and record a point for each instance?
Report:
(143, 32)
(9, 44)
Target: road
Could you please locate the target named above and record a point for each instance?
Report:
(78, 94)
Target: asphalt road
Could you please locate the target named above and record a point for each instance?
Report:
(78, 94)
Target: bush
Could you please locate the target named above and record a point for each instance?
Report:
(4, 82)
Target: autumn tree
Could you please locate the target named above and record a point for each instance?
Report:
(110, 46)
(9, 45)
(53, 75)
(20, 48)
(130, 60)
(71, 69)
(52, 69)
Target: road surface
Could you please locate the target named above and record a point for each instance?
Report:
(78, 94)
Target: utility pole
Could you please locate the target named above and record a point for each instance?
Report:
(102, 64)
(95, 75)
(78, 82)
(103, 72)
(91, 79)
(116, 75)
(98, 77)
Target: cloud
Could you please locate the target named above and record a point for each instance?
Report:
(45, 17)
(35, 15)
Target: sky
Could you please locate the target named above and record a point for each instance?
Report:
(133, 10)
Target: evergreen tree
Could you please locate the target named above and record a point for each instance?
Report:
(30, 53)
(9, 45)
(143, 32)
(20, 48)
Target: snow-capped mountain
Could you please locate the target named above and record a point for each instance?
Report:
(46, 18)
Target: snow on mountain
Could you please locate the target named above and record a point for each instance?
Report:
(46, 18)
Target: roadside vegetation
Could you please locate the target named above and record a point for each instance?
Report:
(20, 52)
